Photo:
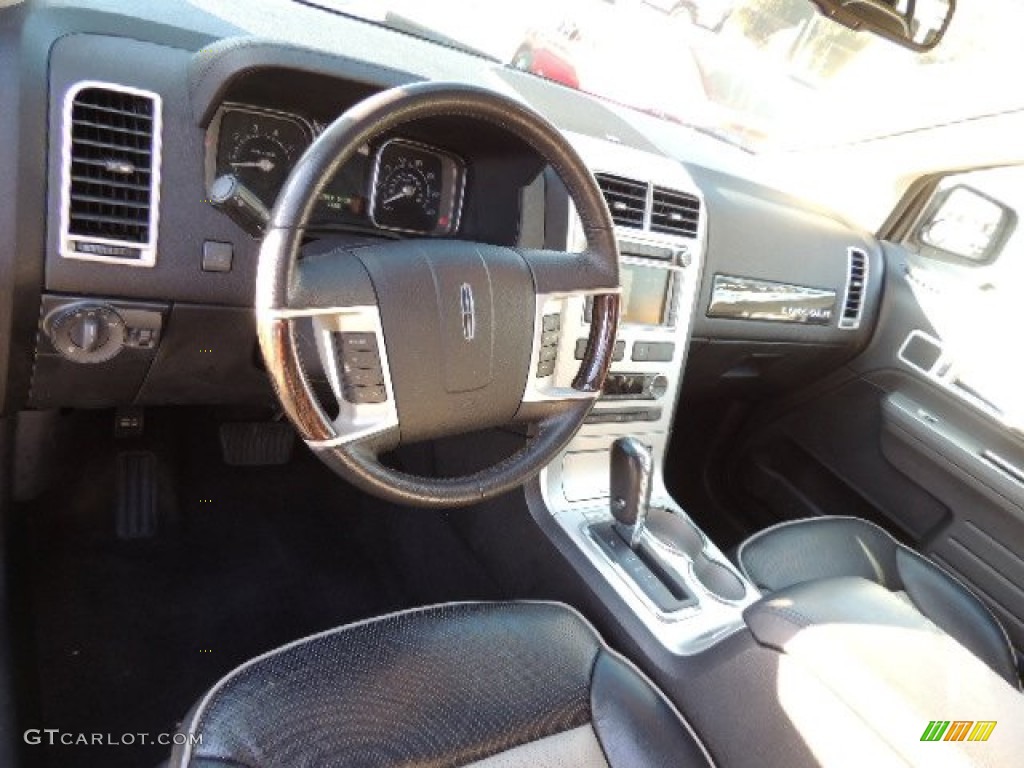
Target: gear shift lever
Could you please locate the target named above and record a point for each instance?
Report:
(631, 470)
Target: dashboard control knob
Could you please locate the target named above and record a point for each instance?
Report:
(86, 332)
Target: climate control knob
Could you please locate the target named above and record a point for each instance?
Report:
(86, 333)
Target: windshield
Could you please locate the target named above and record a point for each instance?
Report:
(763, 74)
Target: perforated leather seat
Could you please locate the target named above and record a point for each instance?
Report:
(496, 685)
(836, 547)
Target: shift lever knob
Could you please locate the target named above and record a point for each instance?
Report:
(631, 470)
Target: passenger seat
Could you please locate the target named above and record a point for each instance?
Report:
(836, 547)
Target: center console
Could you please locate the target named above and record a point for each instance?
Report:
(667, 571)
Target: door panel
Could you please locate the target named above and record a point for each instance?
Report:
(898, 441)
(978, 544)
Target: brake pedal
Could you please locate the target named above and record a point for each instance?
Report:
(256, 444)
(137, 507)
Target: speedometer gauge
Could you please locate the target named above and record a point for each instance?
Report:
(416, 189)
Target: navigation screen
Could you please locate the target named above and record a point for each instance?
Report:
(644, 294)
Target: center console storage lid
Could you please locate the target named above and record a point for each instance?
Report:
(891, 670)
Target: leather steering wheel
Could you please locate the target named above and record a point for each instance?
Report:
(423, 338)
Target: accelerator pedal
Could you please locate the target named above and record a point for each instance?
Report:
(137, 506)
(256, 443)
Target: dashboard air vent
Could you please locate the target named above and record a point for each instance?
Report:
(626, 198)
(675, 213)
(111, 174)
(856, 285)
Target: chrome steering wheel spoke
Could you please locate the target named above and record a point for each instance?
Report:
(352, 350)
(551, 379)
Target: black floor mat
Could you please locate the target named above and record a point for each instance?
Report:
(127, 634)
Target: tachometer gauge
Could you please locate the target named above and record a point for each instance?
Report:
(416, 189)
(260, 147)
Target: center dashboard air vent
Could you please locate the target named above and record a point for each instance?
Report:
(856, 287)
(639, 205)
(674, 213)
(626, 199)
(111, 174)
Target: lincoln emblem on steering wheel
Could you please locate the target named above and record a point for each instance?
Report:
(468, 311)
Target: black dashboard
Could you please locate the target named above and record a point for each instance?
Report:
(233, 103)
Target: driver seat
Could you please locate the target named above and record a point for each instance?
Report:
(488, 685)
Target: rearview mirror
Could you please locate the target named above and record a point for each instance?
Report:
(915, 24)
(962, 224)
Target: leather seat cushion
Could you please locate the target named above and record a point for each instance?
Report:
(836, 547)
(495, 684)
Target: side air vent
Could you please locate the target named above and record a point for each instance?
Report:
(674, 213)
(626, 198)
(856, 285)
(111, 174)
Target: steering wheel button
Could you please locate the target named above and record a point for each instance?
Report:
(366, 394)
(545, 369)
(548, 353)
(551, 322)
(359, 358)
(364, 377)
(358, 341)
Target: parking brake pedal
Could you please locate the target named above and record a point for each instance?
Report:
(137, 509)
(256, 444)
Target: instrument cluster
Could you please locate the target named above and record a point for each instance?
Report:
(397, 184)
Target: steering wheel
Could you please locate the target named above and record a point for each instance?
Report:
(424, 338)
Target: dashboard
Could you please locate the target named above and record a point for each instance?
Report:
(124, 249)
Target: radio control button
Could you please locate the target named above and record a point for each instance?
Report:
(653, 351)
(660, 351)
(618, 351)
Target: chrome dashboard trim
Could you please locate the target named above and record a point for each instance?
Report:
(746, 298)
(148, 250)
